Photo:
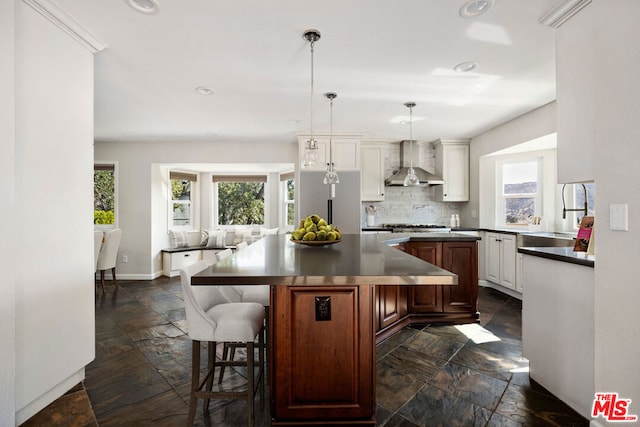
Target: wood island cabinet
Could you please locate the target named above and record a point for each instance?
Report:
(322, 368)
(397, 306)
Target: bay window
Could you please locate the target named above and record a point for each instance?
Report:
(239, 200)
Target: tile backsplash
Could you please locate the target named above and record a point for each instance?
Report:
(414, 205)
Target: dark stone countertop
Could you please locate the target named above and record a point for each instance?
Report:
(365, 259)
(564, 254)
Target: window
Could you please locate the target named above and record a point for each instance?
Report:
(182, 201)
(519, 192)
(240, 199)
(287, 189)
(104, 195)
(578, 198)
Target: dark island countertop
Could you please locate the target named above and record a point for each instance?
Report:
(564, 254)
(365, 259)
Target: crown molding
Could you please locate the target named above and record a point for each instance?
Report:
(562, 12)
(61, 19)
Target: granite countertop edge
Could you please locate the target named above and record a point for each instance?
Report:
(563, 254)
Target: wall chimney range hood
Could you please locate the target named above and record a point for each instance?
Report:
(425, 178)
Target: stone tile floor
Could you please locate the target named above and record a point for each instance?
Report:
(427, 375)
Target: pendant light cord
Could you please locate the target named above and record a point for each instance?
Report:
(312, 143)
(411, 136)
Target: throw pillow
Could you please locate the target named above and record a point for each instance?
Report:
(204, 239)
(216, 239)
(268, 231)
(178, 239)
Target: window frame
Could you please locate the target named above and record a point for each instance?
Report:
(217, 178)
(285, 202)
(572, 203)
(116, 203)
(193, 201)
(501, 198)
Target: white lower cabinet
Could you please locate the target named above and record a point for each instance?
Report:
(173, 262)
(501, 260)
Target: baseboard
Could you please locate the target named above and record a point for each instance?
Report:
(121, 276)
(29, 410)
(502, 289)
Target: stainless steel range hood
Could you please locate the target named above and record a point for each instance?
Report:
(425, 178)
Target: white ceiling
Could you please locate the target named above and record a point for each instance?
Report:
(376, 55)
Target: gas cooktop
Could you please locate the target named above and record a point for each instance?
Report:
(417, 227)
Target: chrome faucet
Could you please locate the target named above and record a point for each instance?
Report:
(565, 210)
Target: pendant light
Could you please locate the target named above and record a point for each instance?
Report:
(331, 177)
(311, 157)
(411, 180)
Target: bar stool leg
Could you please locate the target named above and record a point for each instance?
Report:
(195, 380)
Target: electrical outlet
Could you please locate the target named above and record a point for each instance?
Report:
(125, 258)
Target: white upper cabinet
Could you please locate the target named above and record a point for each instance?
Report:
(345, 151)
(452, 163)
(372, 172)
(575, 63)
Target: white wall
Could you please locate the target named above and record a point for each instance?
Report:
(53, 244)
(532, 125)
(617, 177)
(7, 217)
(142, 194)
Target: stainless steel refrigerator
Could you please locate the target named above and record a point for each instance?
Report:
(313, 196)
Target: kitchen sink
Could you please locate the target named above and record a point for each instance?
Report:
(546, 238)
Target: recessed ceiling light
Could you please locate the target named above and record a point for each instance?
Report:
(473, 8)
(466, 66)
(202, 90)
(144, 6)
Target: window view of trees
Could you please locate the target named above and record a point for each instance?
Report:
(181, 201)
(290, 192)
(104, 185)
(240, 203)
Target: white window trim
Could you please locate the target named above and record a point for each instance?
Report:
(116, 200)
(227, 227)
(284, 204)
(195, 205)
(500, 198)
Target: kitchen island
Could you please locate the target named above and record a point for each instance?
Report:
(322, 319)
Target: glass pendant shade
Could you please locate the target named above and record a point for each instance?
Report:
(331, 177)
(312, 157)
(411, 180)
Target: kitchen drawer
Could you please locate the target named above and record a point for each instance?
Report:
(172, 263)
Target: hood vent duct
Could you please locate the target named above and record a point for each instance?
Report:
(425, 178)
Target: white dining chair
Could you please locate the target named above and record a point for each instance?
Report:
(240, 246)
(98, 237)
(109, 254)
(211, 319)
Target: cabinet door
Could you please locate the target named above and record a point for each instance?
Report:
(426, 299)
(493, 257)
(461, 258)
(390, 304)
(372, 173)
(452, 162)
(346, 154)
(508, 261)
(306, 384)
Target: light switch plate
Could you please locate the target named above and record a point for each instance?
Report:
(618, 217)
